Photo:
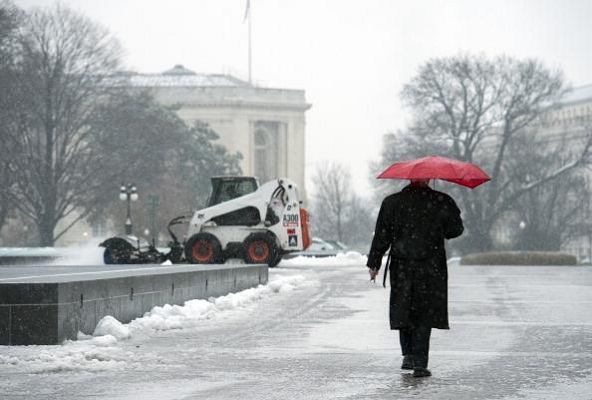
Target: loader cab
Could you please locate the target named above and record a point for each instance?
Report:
(226, 188)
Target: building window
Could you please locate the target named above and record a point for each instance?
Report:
(265, 152)
(99, 227)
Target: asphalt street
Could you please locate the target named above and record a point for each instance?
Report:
(516, 333)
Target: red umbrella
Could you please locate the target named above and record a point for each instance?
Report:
(436, 167)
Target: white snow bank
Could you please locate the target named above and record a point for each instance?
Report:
(111, 326)
(351, 258)
(104, 351)
(94, 354)
(193, 311)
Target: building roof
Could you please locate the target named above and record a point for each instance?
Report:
(179, 76)
(210, 89)
(581, 94)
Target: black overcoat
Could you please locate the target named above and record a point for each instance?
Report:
(414, 223)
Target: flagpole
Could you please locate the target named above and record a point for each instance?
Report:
(250, 48)
(248, 15)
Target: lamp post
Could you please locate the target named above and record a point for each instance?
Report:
(589, 245)
(128, 193)
(153, 202)
(522, 226)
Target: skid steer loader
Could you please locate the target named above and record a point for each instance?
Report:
(258, 224)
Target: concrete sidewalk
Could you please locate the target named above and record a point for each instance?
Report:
(517, 333)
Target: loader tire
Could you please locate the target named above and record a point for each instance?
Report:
(277, 259)
(203, 248)
(260, 248)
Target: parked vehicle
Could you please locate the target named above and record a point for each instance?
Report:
(338, 245)
(318, 248)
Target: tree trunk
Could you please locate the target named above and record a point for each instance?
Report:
(46, 229)
(46, 235)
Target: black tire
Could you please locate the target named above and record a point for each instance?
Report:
(278, 258)
(260, 248)
(203, 248)
(117, 251)
(109, 257)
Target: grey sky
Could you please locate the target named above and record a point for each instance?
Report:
(351, 57)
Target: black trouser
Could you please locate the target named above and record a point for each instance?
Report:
(416, 341)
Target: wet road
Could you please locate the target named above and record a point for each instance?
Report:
(517, 333)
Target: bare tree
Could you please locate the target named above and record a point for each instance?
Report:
(473, 108)
(64, 59)
(338, 212)
(10, 20)
(333, 193)
(550, 213)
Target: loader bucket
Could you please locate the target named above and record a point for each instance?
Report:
(117, 251)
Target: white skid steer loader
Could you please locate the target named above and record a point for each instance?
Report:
(242, 220)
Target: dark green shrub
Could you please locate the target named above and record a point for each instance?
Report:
(519, 258)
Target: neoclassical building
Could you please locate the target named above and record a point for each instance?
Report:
(266, 125)
(572, 121)
(567, 122)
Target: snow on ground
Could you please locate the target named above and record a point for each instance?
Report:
(351, 258)
(193, 311)
(103, 350)
(519, 332)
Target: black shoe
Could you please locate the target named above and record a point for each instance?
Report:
(421, 372)
(407, 362)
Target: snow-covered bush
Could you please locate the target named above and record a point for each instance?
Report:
(519, 258)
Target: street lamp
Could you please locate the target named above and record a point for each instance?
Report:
(522, 226)
(128, 193)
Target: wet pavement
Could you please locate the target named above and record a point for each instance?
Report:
(516, 333)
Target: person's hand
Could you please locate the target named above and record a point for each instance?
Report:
(373, 273)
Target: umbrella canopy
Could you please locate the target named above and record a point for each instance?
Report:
(436, 167)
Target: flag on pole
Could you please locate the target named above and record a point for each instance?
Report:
(247, 10)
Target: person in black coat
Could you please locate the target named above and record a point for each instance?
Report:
(414, 223)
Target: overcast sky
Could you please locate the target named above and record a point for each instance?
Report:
(350, 56)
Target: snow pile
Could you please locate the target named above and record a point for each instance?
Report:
(192, 312)
(174, 316)
(94, 354)
(351, 258)
(111, 326)
(104, 350)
